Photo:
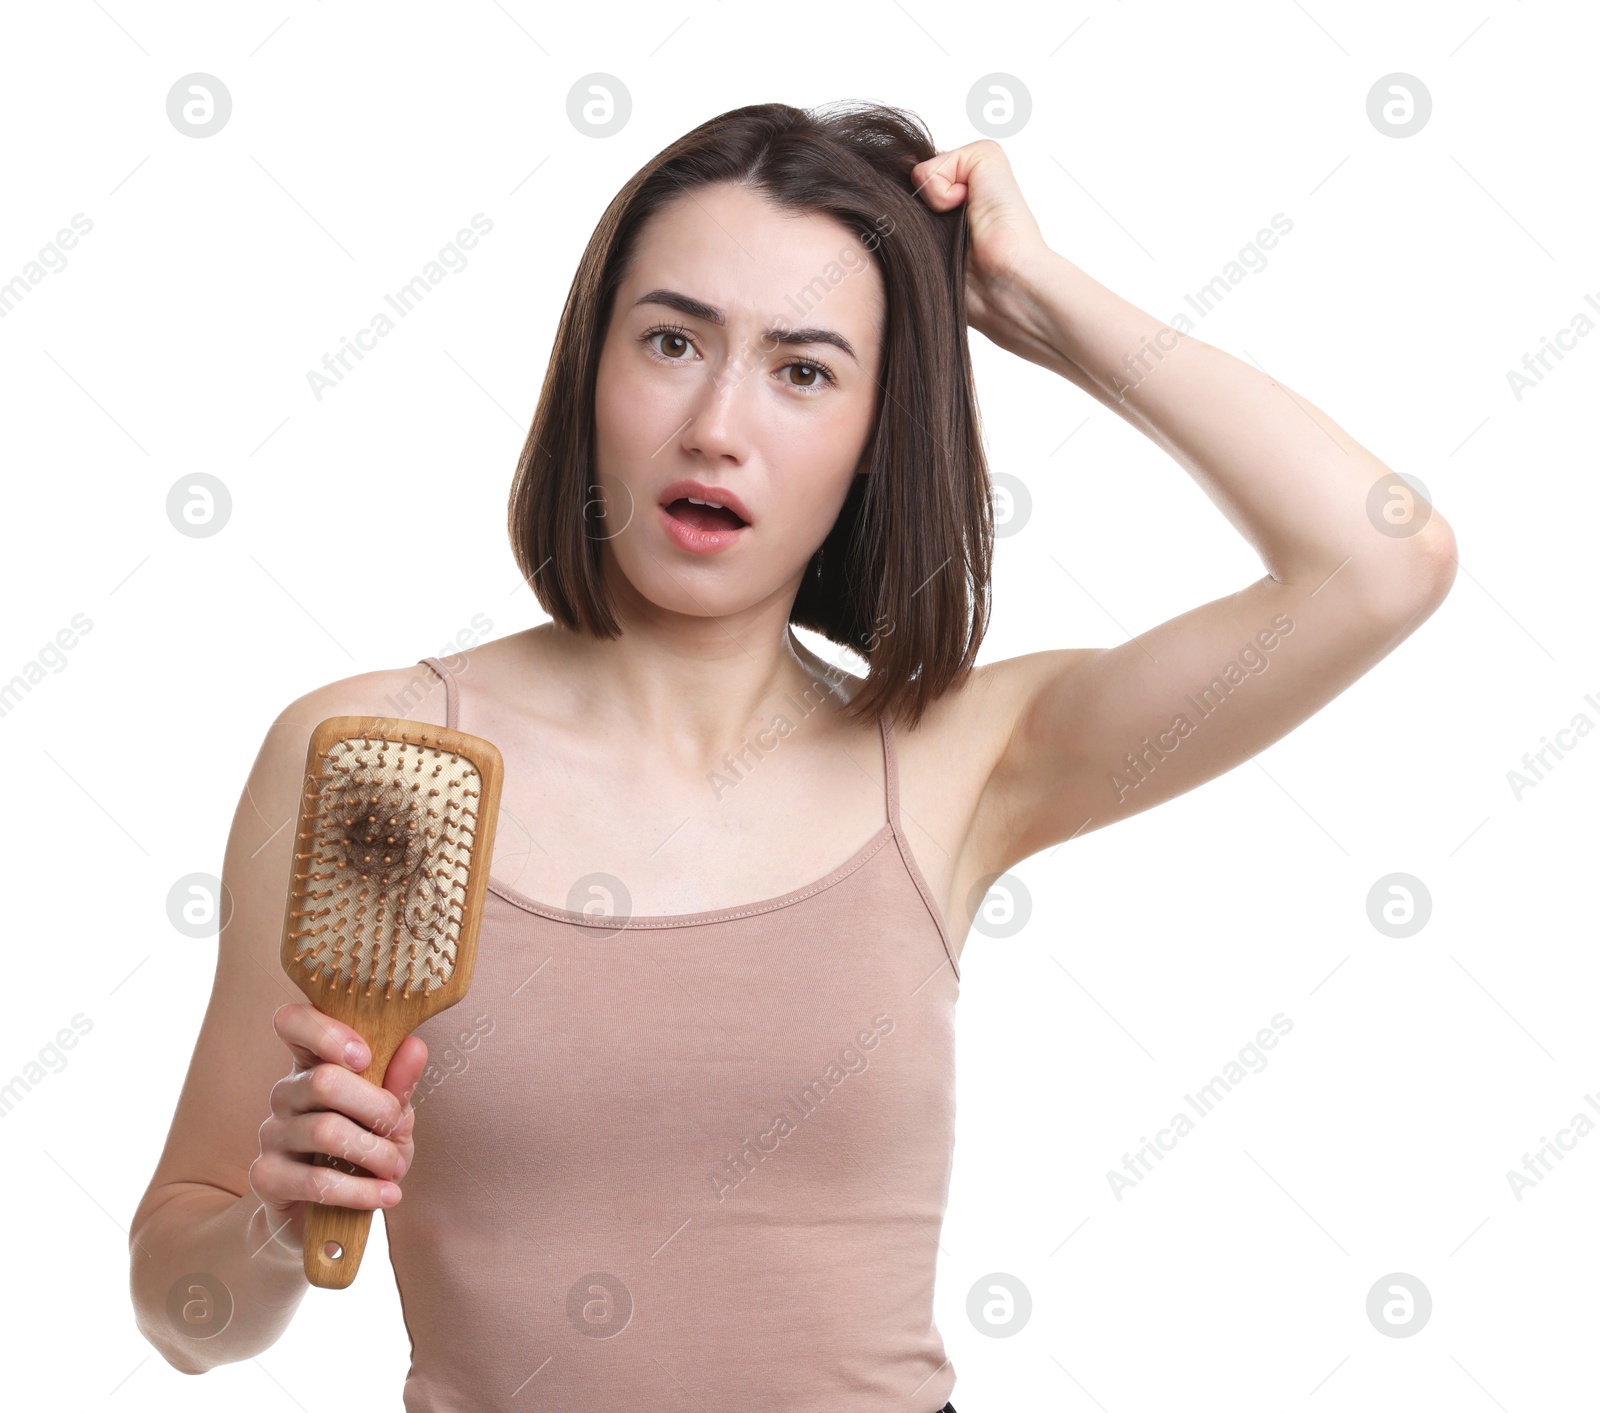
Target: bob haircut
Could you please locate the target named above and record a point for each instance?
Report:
(903, 577)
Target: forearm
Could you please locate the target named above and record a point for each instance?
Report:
(1293, 482)
(203, 1233)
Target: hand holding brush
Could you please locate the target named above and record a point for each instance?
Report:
(328, 1106)
(390, 868)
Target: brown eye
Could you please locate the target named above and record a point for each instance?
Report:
(820, 376)
(677, 336)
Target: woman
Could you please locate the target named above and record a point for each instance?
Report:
(687, 1142)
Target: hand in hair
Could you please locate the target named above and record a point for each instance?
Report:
(1003, 238)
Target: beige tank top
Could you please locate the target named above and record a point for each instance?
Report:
(688, 1162)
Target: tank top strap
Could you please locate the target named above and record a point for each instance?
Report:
(450, 689)
(891, 791)
(891, 776)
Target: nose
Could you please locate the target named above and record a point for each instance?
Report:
(720, 412)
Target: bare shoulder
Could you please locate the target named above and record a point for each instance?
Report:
(516, 665)
(272, 788)
(514, 677)
(415, 692)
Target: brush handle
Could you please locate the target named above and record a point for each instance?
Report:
(345, 1228)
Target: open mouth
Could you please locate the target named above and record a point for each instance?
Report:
(702, 516)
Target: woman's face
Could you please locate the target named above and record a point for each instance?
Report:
(742, 354)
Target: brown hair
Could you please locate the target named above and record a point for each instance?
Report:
(903, 578)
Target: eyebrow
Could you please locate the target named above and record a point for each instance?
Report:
(699, 309)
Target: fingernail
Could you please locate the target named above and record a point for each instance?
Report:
(400, 1169)
(390, 1194)
(356, 1053)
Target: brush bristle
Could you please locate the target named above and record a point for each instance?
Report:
(381, 865)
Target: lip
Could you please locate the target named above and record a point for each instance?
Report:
(701, 491)
(686, 537)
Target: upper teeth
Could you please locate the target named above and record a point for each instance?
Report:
(715, 504)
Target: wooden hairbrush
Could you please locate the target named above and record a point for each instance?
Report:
(380, 930)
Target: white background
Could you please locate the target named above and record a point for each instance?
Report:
(177, 340)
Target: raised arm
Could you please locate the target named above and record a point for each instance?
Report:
(1354, 559)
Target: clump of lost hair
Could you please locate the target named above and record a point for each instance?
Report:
(903, 577)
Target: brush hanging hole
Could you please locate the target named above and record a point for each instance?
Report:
(332, 1251)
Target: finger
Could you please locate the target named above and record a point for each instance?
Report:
(313, 1037)
(334, 1088)
(936, 181)
(944, 178)
(332, 1135)
(406, 1067)
(291, 1181)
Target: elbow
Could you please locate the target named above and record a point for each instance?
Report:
(1416, 576)
(152, 1312)
(1437, 554)
(1433, 570)
(159, 1336)
(175, 1360)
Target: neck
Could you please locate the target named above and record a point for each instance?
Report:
(691, 683)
